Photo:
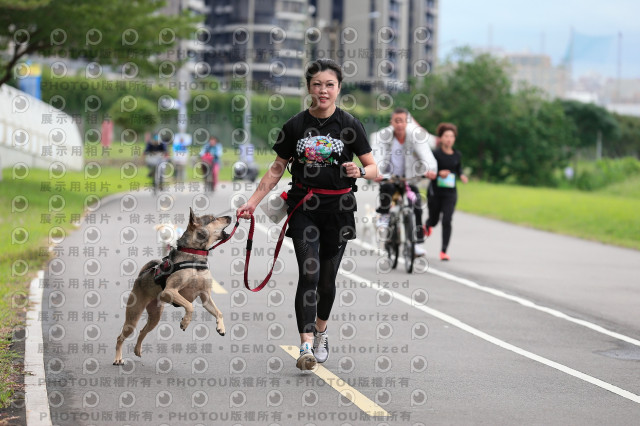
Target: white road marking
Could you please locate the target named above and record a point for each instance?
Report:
(36, 398)
(217, 288)
(519, 300)
(501, 343)
(491, 339)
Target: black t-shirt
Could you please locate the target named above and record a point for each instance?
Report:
(451, 162)
(318, 148)
(153, 148)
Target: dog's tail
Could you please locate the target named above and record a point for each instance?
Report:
(149, 265)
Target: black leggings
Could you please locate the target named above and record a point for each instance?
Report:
(316, 281)
(445, 205)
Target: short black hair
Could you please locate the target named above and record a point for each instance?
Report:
(400, 110)
(443, 127)
(320, 65)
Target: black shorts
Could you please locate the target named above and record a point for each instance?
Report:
(331, 229)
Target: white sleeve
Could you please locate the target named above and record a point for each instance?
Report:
(421, 145)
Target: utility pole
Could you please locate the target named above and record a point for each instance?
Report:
(618, 82)
(247, 111)
(184, 77)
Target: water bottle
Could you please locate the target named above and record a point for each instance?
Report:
(275, 207)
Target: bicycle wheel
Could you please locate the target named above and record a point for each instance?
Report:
(392, 245)
(409, 241)
(157, 185)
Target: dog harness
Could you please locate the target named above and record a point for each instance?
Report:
(164, 269)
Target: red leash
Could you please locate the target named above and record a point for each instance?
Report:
(280, 237)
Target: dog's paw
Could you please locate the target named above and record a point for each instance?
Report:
(118, 362)
(184, 324)
(220, 331)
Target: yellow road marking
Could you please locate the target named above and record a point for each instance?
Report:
(361, 401)
(217, 288)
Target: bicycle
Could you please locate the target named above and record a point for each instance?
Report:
(157, 165)
(210, 169)
(402, 224)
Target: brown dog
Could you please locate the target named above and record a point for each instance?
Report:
(182, 285)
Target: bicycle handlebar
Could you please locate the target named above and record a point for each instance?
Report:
(401, 179)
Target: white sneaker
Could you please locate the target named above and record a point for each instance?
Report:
(320, 345)
(419, 251)
(306, 361)
(383, 220)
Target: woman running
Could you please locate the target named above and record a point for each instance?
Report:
(443, 193)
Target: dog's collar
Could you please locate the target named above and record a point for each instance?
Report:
(226, 237)
(193, 251)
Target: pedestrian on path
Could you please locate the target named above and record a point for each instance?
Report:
(319, 143)
(443, 193)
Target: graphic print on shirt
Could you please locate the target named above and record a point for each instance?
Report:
(319, 151)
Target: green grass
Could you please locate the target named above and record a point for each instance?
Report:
(630, 188)
(607, 216)
(8, 371)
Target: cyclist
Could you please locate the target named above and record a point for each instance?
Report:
(211, 154)
(402, 149)
(154, 153)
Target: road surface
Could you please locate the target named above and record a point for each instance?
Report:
(521, 326)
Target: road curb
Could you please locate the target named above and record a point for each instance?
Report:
(36, 397)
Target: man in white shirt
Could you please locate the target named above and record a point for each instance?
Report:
(403, 149)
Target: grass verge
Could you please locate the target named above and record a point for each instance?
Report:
(606, 216)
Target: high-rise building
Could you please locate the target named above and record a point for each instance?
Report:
(192, 49)
(382, 44)
(268, 45)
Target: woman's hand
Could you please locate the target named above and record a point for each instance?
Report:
(443, 173)
(245, 211)
(464, 179)
(351, 169)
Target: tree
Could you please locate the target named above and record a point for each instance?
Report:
(629, 141)
(114, 32)
(137, 114)
(474, 93)
(503, 135)
(589, 119)
(539, 134)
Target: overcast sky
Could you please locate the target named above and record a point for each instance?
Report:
(545, 26)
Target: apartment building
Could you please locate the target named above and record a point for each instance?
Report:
(382, 44)
(261, 41)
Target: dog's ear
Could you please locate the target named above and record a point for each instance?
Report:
(193, 221)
